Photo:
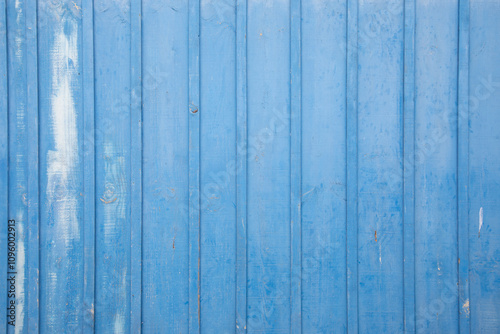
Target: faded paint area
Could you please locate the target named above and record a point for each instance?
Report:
(114, 191)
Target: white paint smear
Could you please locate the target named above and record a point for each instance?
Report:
(63, 159)
(480, 219)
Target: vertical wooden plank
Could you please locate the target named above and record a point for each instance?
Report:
(194, 166)
(323, 205)
(136, 166)
(463, 166)
(33, 186)
(88, 309)
(18, 154)
(409, 167)
(380, 166)
(218, 165)
(269, 237)
(165, 166)
(295, 166)
(241, 166)
(436, 166)
(484, 168)
(352, 166)
(4, 162)
(61, 166)
(112, 40)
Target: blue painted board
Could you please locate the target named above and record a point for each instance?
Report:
(268, 154)
(483, 305)
(324, 167)
(112, 165)
(61, 165)
(165, 176)
(18, 149)
(218, 165)
(436, 198)
(380, 166)
(4, 156)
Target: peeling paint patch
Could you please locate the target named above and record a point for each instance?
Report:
(465, 308)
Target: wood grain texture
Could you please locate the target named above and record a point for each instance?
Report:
(263, 166)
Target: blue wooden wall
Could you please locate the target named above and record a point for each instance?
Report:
(260, 166)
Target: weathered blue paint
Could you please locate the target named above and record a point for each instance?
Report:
(217, 149)
(112, 165)
(165, 111)
(18, 149)
(484, 169)
(241, 167)
(4, 155)
(380, 167)
(409, 168)
(88, 307)
(273, 166)
(268, 154)
(436, 259)
(324, 170)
